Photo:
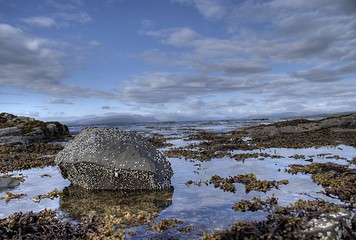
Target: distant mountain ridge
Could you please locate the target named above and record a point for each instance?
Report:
(97, 120)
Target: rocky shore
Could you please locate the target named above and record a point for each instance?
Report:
(303, 219)
(26, 130)
(25, 143)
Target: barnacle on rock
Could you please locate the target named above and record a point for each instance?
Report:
(294, 221)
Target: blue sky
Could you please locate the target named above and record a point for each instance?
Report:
(177, 59)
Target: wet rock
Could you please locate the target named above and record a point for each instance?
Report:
(336, 123)
(330, 226)
(112, 159)
(24, 130)
(8, 182)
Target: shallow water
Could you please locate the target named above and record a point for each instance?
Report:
(33, 185)
(205, 207)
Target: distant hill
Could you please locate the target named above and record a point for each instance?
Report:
(112, 119)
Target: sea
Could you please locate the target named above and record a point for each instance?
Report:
(202, 206)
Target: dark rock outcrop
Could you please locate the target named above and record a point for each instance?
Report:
(345, 123)
(112, 159)
(26, 130)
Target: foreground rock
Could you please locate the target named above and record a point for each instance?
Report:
(113, 159)
(25, 130)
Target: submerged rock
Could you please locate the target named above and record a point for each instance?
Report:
(112, 159)
(129, 208)
(8, 182)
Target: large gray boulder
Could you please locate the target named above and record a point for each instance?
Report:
(112, 159)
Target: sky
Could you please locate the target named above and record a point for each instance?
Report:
(177, 59)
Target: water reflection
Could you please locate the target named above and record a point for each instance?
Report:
(127, 208)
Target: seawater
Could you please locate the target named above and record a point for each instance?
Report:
(205, 207)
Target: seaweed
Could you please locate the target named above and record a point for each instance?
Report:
(51, 195)
(21, 157)
(290, 222)
(12, 196)
(165, 224)
(338, 180)
(249, 180)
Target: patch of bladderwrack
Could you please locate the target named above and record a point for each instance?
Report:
(21, 157)
(249, 180)
(337, 180)
(218, 145)
(285, 222)
(290, 222)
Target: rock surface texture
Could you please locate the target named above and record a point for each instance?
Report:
(345, 123)
(26, 130)
(8, 182)
(112, 159)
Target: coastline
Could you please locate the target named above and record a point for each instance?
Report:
(204, 146)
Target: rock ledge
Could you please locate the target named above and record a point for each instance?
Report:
(26, 130)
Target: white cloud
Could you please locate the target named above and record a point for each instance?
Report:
(147, 24)
(179, 37)
(31, 114)
(58, 101)
(77, 16)
(317, 46)
(210, 9)
(38, 64)
(41, 21)
(93, 43)
(164, 87)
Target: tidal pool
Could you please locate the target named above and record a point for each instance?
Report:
(204, 207)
